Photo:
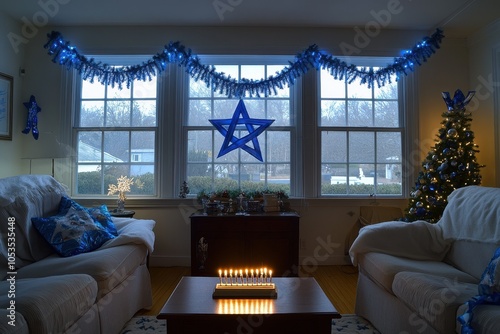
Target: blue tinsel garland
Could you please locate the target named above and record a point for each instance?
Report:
(65, 54)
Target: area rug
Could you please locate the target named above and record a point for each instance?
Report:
(348, 324)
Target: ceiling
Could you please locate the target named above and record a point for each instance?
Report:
(457, 17)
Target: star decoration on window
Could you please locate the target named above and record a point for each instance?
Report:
(241, 121)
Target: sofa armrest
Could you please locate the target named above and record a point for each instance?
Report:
(418, 240)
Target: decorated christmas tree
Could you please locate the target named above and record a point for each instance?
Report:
(450, 164)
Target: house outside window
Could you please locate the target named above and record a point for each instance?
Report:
(238, 170)
(361, 137)
(115, 132)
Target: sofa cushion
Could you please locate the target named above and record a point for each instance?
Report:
(52, 304)
(433, 297)
(109, 266)
(72, 230)
(382, 268)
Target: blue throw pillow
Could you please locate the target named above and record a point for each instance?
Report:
(100, 214)
(72, 230)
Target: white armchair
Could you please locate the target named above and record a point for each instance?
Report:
(416, 277)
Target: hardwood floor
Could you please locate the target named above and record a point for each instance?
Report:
(338, 283)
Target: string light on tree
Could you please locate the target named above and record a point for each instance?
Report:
(450, 164)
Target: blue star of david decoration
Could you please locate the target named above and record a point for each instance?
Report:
(32, 122)
(240, 117)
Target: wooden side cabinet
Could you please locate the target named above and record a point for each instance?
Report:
(251, 241)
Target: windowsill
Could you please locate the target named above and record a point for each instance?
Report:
(294, 202)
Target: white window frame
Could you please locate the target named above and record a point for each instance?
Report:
(76, 82)
(295, 106)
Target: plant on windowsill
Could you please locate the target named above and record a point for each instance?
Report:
(122, 187)
(232, 196)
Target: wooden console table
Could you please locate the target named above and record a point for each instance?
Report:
(245, 241)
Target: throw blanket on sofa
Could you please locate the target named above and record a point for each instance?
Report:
(459, 222)
(133, 231)
(418, 240)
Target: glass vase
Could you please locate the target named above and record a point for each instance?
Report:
(120, 205)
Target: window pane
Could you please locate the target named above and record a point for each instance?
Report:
(333, 179)
(92, 114)
(359, 113)
(199, 112)
(88, 179)
(361, 147)
(388, 91)
(143, 147)
(389, 147)
(144, 113)
(389, 179)
(255, 72)
(256, 108)
(333, 146)
(252, 173)
(224, 109)
(279, 110)
(331, 87)
(145, 89)
(117, 93)
(386, 114)
(199, 146)
(333, 113)
(279, 177)
(89, 143)
(198, 88)
(118, 113)
(358, 90)
(92, 90)
(279, 149)
(116, 145)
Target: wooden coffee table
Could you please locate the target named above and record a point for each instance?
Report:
(301, 307)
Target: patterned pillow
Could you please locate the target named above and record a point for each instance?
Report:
(72, 230)
(100, 214)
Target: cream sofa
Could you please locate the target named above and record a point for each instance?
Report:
(92, 292)
(417, 277)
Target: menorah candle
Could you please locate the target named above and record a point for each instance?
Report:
(220, 276)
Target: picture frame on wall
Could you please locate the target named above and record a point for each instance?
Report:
(6, 98)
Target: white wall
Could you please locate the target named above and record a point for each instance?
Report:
(321, 219)
(11, 61)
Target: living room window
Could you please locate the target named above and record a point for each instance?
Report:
(238, 170)
(361, 131)
(115, 132)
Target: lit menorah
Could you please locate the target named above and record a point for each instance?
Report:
(245, 283)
